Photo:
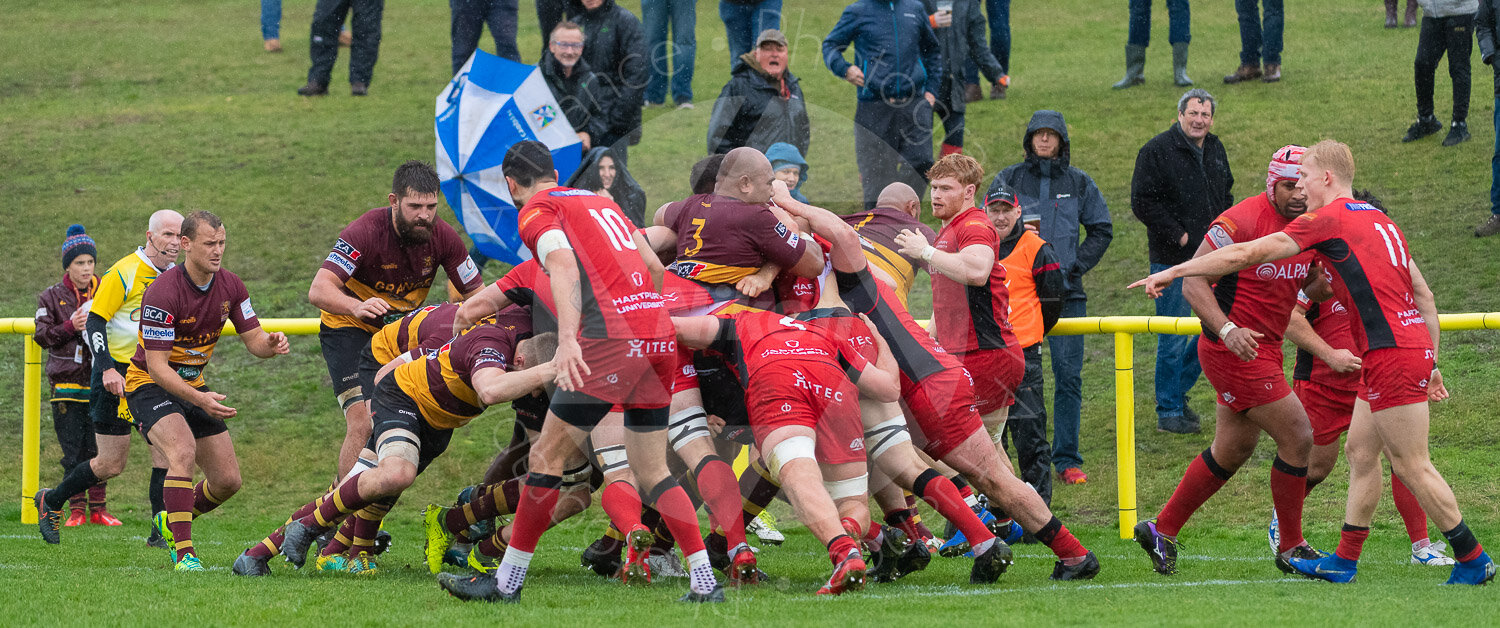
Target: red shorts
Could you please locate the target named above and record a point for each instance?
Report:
(997, 373)
(810, 395)
(1329, 410)
(685, 378)
(1242, 385)
(942, 410)
(629, 373)
(1395, 377)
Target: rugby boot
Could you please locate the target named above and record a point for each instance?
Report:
(1162, 550)
(637, 548)
(1481, 570)
(457, 555)
(155, 538)
(189, 562)
(47, 521)
(712, 597)
(1273, 535)
(480, 563)
(325, 538)
(362, 565)
(382, 542)
(160, 520)
(75, 518)
(1331, 568)
(1303, 551)
(742, 570)
(597, 558)
(913, 559)
(476, 588)
(101, 517)
(296, 539)
(438, 538)
(666, 564)
(991, 563)
(333, 563)
(247, 565)
(1431, 554)
(883, 559)
(1085, 570)
(849, 575)
(764, 528)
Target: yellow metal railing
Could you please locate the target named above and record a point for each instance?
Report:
(1124, 328)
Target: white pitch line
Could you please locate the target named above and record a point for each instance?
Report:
(953, 591)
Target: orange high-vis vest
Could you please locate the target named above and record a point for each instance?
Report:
(1025, 307)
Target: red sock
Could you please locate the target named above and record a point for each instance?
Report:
(1060, 540)
(873, 533)
(1288, 490)
(964, 490)
(1411, 512)
(204, 500)
(344, 500)
(1351, 542)
(490, 501)
(1203, 478)
(940, 493)
(177, 492)
(678, 514)
(839, 548)
(534, 513)
(623, 505)
(717, 485)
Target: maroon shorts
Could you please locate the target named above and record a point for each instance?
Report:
(816, 396)
(630, 373)
(1242, 385)
(1395, 377)
(997, 373)
(1329, 410)
(942, 410)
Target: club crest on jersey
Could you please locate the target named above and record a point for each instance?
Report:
(794, 344)
(1219, 237)
(544, 115)
(156, 315)
(780, 230)
(687, 270)
(635, 278)
(347, 250)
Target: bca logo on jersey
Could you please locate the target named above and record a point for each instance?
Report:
(347, 250)
(156, 315)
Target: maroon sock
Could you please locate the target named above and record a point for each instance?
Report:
(1411, 512)
(271, 545)
(622, 503)
(873, 533)
(940, 493)
(717, 486)
(342, 538)
(1351, 542)
(204, 500)
(367, 525)
(493, 545)
(1203, 478)
(1060, 540)
(678, 514)
(80, 501)
(534, 511)
(96, 497)
(344, 500)
(1288, 490)
(491, 501)
(839, 548)
(177, 492)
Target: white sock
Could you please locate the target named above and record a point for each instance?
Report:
(971, 501)
(512, 572)
(701, 573)
(982, 547)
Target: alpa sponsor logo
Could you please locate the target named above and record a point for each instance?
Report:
(1270, 271)
(156, 315)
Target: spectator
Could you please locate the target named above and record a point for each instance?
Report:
(1447, 27)
(999, 21)
(1489, 44)
(1179, 33)
(960, 32)
(572, 82)
(616, 51)
(549, 13)
(1182, 182)
(893, 115)
(364, 48)
(270, 24)
(1059, 198)
(1390, 13)
(602, 174)
(743, 19)
(1260, 40)
(469, 18)
(762, 102)
(60, 321)
(790, 167)
(681, 16)
(1035, 281)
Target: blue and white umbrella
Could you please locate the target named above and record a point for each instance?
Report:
(491, 104)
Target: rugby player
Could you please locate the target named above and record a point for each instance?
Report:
(112, 330)
(381, 268)
(616, 345)
(1374, 275)
(1244, 315)
(182, 315)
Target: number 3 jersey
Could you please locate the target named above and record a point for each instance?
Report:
(186, 320)
(619, 300)
(1371, 271)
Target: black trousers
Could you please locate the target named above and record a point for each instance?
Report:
(952, 115)
(469, 19)
(75, 433)
(549, 13)
(1453, 35)
(328, 18)
(1026, 428)
(892, 142)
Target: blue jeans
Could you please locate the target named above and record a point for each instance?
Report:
(744, 22)
(468, 20)
(998, 14)
(1177, 366)
(270, 19)
(1067, 397)
(1180, 29)
(682, 15)
(1495, 165)
(1260, 40)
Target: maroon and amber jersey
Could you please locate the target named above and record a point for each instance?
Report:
(372, 261)
(721, 240)
(917, 355)
(185, 320)
(971, 318)
(1368, 260)
(441, 381)
(1260, 298)
(619, 300)
(753, 340)
(1330, 320)
(412, 330)
(877, 229)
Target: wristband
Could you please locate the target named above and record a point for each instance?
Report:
(1228, 327)
(928, 252)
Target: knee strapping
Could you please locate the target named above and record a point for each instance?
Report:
(852, 487)
(687, 426)
(576, 476)
(350, 397)
(612, 458)
(887, 434)
(399, 443)
(789, 450)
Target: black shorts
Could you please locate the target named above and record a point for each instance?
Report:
(368, 368)
(151, 403)
(585, 412)
(392, 409)
(106, 409)
(341, 349)
(531, 411)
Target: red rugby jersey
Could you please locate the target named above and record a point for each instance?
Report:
(917, 355)
(1260, 298)
(971, 318)
(751, 340)
(1330, 320)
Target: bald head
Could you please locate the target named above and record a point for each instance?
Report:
(164, 220)
(900, 196)
(746, 175)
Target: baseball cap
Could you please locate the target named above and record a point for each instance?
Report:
(770, 35)
(1001, 192)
